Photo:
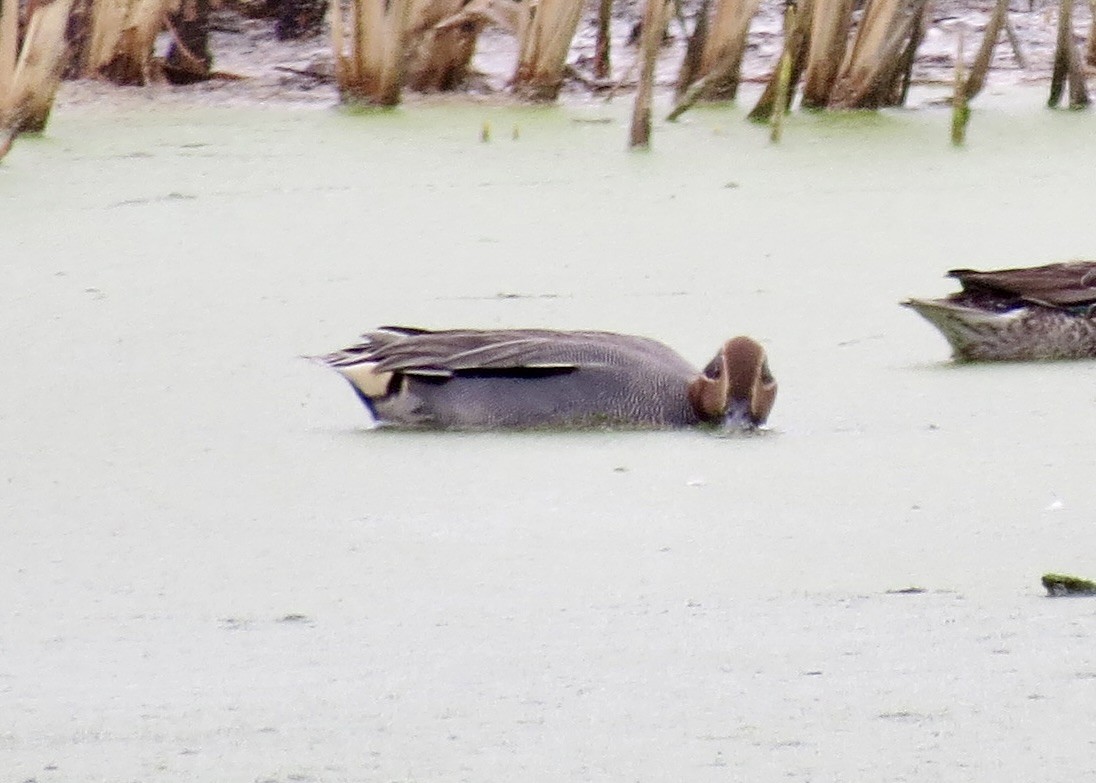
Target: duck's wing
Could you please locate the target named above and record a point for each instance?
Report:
(446, 353)
(1056, 285)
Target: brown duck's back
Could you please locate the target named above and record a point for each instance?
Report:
(1057, 285)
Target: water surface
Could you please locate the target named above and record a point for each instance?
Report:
(213, 569)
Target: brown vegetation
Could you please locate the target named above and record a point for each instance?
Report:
(978, 70)
(31, 72)
(545, 40)
(1067, 63)
(652, 29)
(714, 52)
(840, 56)
(371, 72)
(189, 59)
(876, 71)
(778, 92)
(122, 34)
(441, 42)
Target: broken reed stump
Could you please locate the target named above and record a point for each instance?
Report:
(789, 67)
(782, 99)
(828, 33)
(370, 73)
(602, 62)
(1061, 584)
(119, 48)
(780, 103)
(724, 45)
(29, 81)
(1090, 52)
(960, 111)
(980, 67)
(694, 46)
(443, 41)
(701, 77)
(188, 58)
(1014, 42)
(639, 135)
(876, 70)
(542, 51)
(1067, 63)
(9, 44)
(712, 64)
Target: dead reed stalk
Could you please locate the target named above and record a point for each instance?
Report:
(688, 74)
(782, 97)
(371, 72)
(721, 41)
(654, 12)
(9, 43)
(543, 48)
(602, 62)
(797, 43)
(829, 37)
(1090, 52)
(122, 35)
(960, 110)
(28, 84)
(881, 56)
(188, 58)
(1067, 63)
(441, 40)
(980, 67)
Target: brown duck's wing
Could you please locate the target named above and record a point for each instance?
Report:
(468, 350)
(1057, 285)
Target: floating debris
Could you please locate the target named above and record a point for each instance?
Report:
(1061, 584)
(295, 618)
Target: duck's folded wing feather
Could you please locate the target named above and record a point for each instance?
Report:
(1060, 285)
(501, 351)
(466, 354)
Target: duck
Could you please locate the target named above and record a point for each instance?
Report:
(476, 379)
(1018, 314)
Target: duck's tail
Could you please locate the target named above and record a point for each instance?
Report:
(968, 329)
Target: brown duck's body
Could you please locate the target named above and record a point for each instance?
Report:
(522, 378)
(1031, 313)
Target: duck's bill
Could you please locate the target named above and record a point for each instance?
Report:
(739, 416)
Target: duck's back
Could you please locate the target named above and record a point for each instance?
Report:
(1065, 285)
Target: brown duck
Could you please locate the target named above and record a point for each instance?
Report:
(522, 378)
(1042, 312)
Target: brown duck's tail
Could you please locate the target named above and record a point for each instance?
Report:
(968, 329)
